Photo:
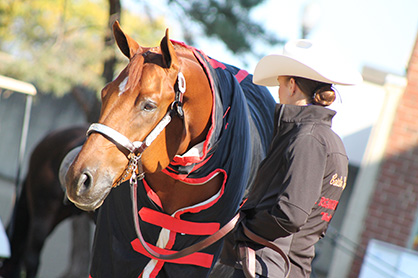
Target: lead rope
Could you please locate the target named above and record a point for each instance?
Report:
(176, 254)
(250, 254)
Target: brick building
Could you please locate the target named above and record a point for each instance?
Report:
(384, 202)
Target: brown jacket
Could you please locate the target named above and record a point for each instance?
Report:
(296, 191)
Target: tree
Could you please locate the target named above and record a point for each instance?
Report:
(63, 47)
(229, 21)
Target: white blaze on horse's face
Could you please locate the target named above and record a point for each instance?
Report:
(122, 86)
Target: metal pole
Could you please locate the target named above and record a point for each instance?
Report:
(23, 140)
(18, 185)
(30, 90)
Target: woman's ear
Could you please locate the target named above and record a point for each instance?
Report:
(292, 85)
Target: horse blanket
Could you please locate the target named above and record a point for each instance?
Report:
(239, 137)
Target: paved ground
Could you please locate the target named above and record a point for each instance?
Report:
(55, 255)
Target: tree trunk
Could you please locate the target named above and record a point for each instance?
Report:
(109, 41)
(91, 106)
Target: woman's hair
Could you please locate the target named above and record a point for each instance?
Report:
(321, 93)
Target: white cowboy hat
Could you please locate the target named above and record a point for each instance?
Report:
(304, 58)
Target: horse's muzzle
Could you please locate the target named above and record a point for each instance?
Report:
(82, 188)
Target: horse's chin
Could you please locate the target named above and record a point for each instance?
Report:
(89, 207)
(90, 202)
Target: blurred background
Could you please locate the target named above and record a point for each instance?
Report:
(66, 50)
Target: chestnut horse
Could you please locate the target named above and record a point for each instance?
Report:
(40, 206)
(188, 132)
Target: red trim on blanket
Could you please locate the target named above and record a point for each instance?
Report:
(188, 160)
(151, 194)
(196, 181)
(177, 225)
(205, 179)
(216, 64)
(175, 175)
(181, 43)
(154, 197)
(197, 209)
(198, 258)
(241, 75)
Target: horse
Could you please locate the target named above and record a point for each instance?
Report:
(41, 206)
(182, 134)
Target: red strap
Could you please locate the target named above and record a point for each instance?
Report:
(216, 64)
(174, 255)
(241, 75)
(177, 225)
(197, 258)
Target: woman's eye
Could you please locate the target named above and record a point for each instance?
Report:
(149, 106)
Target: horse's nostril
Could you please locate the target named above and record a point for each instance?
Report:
(84, 183)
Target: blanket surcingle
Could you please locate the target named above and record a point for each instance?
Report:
(239, 137)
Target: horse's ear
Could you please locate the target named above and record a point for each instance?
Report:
(167, 50)
(126, 44)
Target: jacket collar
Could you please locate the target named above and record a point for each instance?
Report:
(304, 114)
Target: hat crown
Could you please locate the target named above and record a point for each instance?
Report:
(308, 59)
(304, 51)
(301, 45)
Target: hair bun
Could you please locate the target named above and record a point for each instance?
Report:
(324, 95)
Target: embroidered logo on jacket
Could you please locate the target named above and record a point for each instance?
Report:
(338, 181)
(330, 204)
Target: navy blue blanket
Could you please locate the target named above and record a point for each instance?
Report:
(241, 131)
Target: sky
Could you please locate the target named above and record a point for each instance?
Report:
(378, 33)
(374, 33)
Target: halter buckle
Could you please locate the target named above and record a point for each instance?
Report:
(180, 89)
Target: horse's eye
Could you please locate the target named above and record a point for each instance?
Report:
(148, 106)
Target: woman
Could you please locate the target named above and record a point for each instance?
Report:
(299, 184)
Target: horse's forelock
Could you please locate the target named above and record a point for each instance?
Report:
(137, 62)
(134, 71)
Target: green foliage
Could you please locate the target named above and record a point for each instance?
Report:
(59, 44)
(146, 31)
(56, 44)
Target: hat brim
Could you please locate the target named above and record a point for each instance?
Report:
(272, 66)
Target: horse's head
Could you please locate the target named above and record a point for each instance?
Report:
(133, 105)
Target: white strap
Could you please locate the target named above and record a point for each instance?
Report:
(115, 136)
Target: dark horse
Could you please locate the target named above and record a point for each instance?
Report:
(190, 132)
(40, 207)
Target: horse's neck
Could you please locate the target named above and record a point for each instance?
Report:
(175, 194)
(198, 102)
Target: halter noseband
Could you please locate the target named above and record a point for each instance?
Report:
(136, 148)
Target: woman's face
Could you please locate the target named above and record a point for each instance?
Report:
(284, 90)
